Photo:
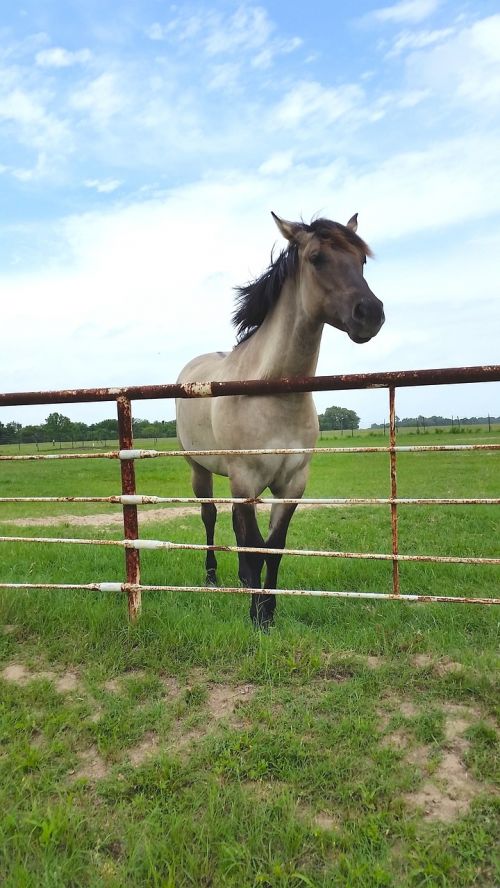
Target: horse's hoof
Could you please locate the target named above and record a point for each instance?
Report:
(262, 623)
(211, 579)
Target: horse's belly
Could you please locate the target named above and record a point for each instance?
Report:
(194, 432)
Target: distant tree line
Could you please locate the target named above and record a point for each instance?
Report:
(59, 428)
(424, 421)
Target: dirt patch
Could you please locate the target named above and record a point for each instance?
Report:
(171, 685)
(224, 700)
(395, 740)
(408, 709)
(447, 788)
(444, 667)
(92, 766)
(9, 629)
(325, 821)
(144, 750)
(372, 661)
(337, 673)
(441, 667)
(18, 673)
(421, 661)
(108, 519)
(148, 516)
(115, 685)
(67, 682)
(452, 788)
(450, 792)
(264, 790)
(458, 719)
(395, 706)
(224, 703)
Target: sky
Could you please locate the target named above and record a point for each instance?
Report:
(143, 145)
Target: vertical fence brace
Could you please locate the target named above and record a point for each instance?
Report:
(130, 519)
(394, 490)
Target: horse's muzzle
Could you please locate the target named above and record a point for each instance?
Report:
(367, 319)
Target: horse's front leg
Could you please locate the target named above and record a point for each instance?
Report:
(281, 515)
(247, 533)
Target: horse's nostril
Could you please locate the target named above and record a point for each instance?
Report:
(360, 311)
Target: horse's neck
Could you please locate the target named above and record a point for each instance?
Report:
(288, 342)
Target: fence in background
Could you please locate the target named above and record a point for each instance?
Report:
(130, 500)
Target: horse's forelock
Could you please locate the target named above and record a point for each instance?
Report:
(340, 236)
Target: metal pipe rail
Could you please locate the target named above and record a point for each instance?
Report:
(129, 499)
(343, 382)
(248, 550)
(242, 590)
(150, 500)
(277, 451)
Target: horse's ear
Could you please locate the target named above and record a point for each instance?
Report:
(353, 222)
(289, 230)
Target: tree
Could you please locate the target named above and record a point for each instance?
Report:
(58, 427)
(338, 418)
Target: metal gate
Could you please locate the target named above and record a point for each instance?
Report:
(130, 499)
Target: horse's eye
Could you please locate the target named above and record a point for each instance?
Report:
(316, 258)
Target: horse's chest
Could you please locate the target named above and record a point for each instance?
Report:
(265, 422)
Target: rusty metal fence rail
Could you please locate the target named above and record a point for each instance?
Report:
(130, 499)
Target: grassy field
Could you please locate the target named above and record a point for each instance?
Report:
(355, 745)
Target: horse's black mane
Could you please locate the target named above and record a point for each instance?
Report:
(255, 300)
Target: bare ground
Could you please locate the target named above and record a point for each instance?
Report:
(224, 703)
(447, 789)
(111, 519)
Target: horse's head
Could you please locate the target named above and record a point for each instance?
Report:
(331, 259)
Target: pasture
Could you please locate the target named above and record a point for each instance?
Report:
(354, 745)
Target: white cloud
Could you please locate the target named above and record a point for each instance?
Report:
(35, 126)
(101, 97)
(155, 31)
(58, 57)
(29, 174)
(409, 40)
(412, 11)
(277, 163)
(248, 28)
(105, 186)
(309, 99)
(249, 31)
(464, 68)
(225, 77)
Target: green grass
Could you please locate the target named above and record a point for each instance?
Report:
(310, 781)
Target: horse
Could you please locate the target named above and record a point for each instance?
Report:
(316, 279)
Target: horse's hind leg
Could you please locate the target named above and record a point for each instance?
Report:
(201, 480)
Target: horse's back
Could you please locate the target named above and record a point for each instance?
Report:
(194, 415)
(203, 368)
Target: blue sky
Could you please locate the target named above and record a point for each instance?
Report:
(143, 145)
